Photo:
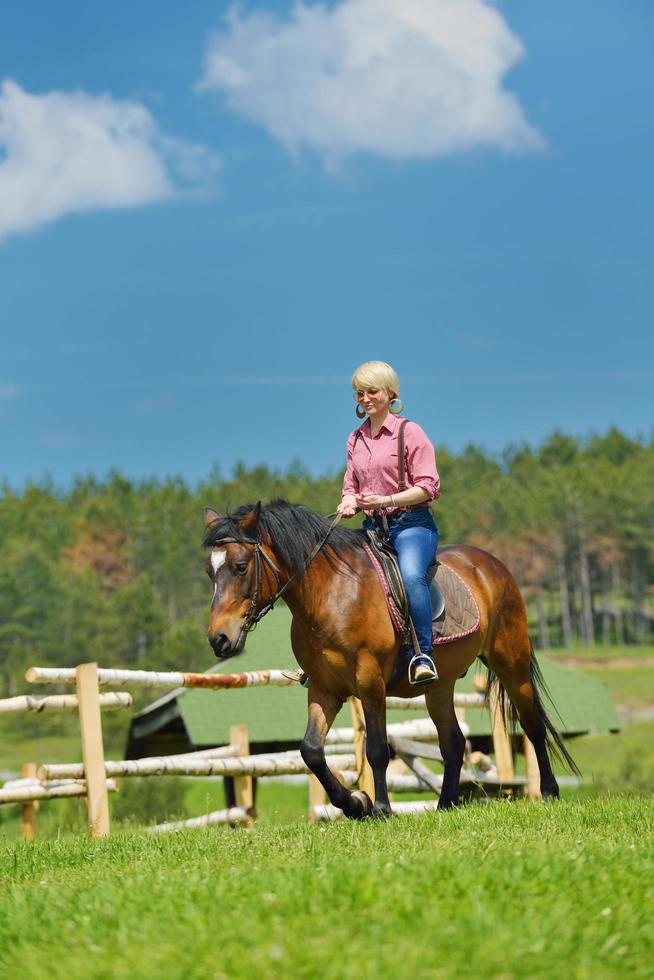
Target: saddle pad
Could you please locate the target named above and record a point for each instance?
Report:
(461, 610)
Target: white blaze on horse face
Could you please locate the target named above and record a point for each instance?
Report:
(218, 559)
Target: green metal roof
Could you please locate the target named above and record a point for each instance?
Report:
(280, 713)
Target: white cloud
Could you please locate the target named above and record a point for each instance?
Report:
(400, 78)
(62, 153)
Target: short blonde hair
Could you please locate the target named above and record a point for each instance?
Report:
(376, 374)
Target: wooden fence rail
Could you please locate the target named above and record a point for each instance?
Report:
(25, 791)
(164, 678)
(252, 765)
(233, 815)
(112, 701)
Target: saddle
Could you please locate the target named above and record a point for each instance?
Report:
(455, 612)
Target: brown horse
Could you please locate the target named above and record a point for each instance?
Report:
(343, 638)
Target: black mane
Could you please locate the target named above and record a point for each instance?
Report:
(290, 529)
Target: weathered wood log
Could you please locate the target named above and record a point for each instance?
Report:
(29, 816)
(243, 785)
(253, 765)
(111, 701)
(501, 740)
(420, 729)
(479, 760)
(33, 780)
(329, 812)
(430, 779)
(174, 678)
(461, 700)
(405, 783)
(366, 780)
(532, 770)
(423, 750)
(232, 815)
(218, 752)
(37, 790)
(167, 678)
(90, 728)
(396, 782)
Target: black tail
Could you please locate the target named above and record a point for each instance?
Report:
(555, 744)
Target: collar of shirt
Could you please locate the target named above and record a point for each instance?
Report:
(390, 423)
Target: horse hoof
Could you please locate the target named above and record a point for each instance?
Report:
(366, 804)
(449, 804)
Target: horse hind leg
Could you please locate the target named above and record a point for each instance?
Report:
(521, 678)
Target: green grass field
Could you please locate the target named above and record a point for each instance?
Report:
(644, 651)
(500, 890)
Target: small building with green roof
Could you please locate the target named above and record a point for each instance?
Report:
(189, 719)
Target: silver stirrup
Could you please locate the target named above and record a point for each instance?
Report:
(423, 680)
(297, 675)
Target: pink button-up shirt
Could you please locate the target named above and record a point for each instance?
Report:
(372, 462)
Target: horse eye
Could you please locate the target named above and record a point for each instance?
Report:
(241, 567)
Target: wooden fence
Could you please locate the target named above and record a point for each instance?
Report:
(94, 777)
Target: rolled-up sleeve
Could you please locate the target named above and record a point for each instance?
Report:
(421, 461)
(350, 482)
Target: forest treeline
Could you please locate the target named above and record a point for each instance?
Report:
(112, 570)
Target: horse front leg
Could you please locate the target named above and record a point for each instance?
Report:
(323, 708)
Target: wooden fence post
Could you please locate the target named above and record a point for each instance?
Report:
(90, 725)
(317, 796)
(501, 740)
(366, 779)
(29, 811)
(531, 770)
(243, 788)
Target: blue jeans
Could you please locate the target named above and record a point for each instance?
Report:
(414, 536)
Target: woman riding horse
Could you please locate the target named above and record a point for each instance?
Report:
(396, 508)
(341, 631)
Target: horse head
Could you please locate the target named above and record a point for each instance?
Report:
(234, 567)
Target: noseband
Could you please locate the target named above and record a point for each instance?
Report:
(252, 617)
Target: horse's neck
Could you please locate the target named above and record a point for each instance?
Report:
(309, 598)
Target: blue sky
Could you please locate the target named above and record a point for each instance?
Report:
(208, 219)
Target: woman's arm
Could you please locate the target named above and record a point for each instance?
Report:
(407, 498)
(421, 462)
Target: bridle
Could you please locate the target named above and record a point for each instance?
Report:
(252, 617)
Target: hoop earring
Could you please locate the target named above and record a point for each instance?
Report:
(396, 406)
(360, 414)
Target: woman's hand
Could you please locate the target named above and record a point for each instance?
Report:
(371, 501)
(348, 506)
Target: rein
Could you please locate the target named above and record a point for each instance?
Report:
(253, 618)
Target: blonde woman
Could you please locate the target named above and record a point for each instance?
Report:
(402, 515)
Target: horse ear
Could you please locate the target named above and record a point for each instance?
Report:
(249, 525)
(210, 516)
